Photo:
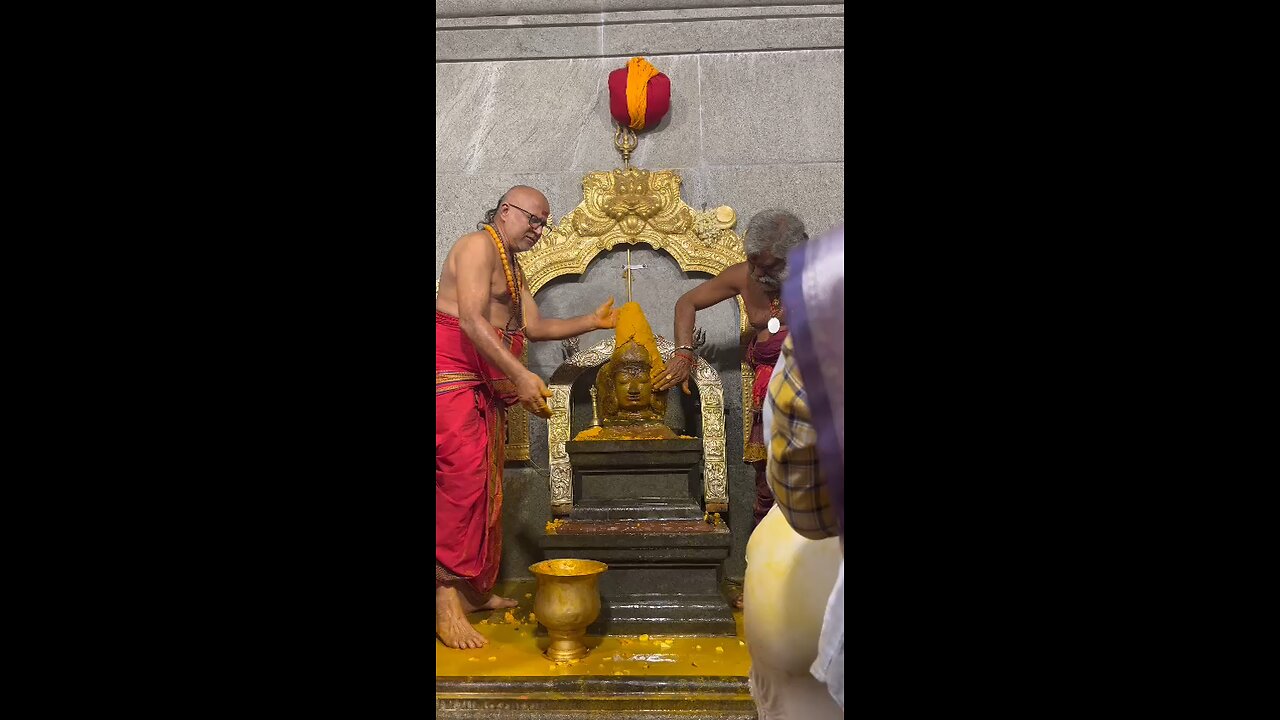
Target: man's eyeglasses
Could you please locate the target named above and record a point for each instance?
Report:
(534, 221)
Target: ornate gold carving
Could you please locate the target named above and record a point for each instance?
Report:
(714, 473)
(558, 426)
(518, 423)
(709, 226)
(635, 206)
(710, 391)
(557, 436)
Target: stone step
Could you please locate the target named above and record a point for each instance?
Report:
(655, 551)
(637, 509)
(581, 697)
(664, 614)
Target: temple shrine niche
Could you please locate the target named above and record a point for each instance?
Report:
(628, 489)
(637, 500)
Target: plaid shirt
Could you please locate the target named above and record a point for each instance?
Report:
(792, 470)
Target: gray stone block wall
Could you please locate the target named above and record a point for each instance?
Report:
(518, 11)
(757, 122)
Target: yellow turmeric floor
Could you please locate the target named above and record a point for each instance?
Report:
(514, 650)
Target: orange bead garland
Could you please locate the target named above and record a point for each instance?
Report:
(506, 268)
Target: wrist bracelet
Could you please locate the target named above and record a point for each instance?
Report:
(685, 347)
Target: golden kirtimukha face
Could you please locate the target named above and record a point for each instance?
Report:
(633, 387)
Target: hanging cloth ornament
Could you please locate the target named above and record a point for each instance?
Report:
(639, 95)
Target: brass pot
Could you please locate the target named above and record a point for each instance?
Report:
(567, 601)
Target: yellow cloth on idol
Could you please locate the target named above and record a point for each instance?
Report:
(633, 325)
(639, 73)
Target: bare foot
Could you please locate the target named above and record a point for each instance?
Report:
(497, 603)
(451, 621)
(474, 602)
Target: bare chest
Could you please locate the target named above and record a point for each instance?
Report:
(759, 309)
(499, 289)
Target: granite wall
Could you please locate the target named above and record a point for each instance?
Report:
(756, 122)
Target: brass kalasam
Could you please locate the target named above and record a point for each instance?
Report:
(566, 602)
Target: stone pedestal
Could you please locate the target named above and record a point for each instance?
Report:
(636, 479)
(638, 508)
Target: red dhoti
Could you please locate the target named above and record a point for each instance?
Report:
(471, 400)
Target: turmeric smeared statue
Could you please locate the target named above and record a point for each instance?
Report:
(629, 408)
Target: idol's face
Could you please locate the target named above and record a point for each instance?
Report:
(633, 387)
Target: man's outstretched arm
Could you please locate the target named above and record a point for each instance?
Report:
(717, 289)
(712, 291)
(542, 328)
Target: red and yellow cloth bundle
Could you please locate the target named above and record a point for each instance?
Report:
(639, 95)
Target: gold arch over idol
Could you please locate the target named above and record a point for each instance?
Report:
(630, 206)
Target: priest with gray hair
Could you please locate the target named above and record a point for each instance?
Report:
(770, 238)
